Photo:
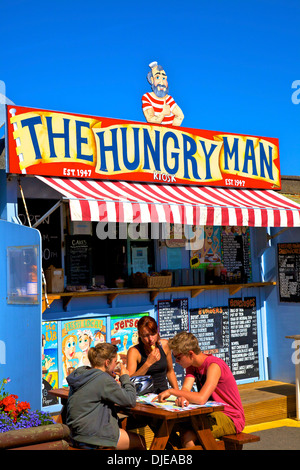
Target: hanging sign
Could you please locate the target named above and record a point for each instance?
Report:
(61, 144)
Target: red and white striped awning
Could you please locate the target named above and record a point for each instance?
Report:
(120, 201)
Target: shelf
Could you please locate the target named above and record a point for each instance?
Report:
(111, 294)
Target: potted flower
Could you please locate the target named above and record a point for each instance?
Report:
(17, 421)
(16, 414)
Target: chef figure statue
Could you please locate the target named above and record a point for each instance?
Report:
(158, 106)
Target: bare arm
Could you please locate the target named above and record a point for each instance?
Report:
(201, 397)
(150, 116)
(179, 116)
(171, 376)
(133, 359)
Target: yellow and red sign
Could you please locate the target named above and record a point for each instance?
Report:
(53, 143)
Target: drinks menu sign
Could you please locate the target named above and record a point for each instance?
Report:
(61, 144)
(289, 271)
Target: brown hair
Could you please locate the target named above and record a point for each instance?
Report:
(101, 352)
(184, 342)
(147, 322)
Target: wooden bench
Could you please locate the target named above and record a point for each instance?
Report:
(230, 442)
(73, 447)
(99, 448)
(236, 441)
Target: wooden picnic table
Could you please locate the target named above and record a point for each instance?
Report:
(163, 421)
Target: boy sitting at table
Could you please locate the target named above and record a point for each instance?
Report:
(214, 381)
(91, 414)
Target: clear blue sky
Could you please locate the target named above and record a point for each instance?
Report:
(230, 63)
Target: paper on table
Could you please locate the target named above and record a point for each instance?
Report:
(169, 403)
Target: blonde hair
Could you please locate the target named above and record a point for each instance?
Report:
(184, 342)
(101, 352)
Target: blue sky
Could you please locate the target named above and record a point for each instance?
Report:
(230, 64)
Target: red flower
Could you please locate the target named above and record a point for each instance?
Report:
(23, 406)
(14, 409)
(9, 402)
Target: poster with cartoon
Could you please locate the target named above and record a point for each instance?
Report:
(49, 361)
(207, 248)
(77, 337)
(124, 333)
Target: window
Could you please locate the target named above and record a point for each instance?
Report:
(22, 275)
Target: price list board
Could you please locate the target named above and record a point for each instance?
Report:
(79, 260)
(289, 271)
(211, 328)
(173, 317)
(228, 332)
(236, 255)
(243, 338)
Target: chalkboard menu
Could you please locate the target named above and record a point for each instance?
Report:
(49, 228)
(231, 334)
(173, 317)
(211, 328)
(243, 338)
(236, 256)
(79, 260)
(228, 332)
(289, 271)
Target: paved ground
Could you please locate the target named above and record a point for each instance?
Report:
(285, 438)
(276, 435)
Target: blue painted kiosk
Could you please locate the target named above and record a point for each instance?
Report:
(130, 219)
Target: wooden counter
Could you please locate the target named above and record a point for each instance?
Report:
(111, 294)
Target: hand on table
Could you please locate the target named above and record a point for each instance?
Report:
(181, 401)
(162, 396)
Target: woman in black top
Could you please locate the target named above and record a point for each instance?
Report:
(152, 356)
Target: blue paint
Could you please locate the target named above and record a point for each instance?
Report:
(20, 325)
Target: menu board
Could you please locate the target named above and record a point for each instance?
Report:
(228, 332)
(79, 260)
(173, 317)
(211, 328)
(231, 334)
(236, 256)
(243, 338)
(289, 271)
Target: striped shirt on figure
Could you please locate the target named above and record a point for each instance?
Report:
(157, 104)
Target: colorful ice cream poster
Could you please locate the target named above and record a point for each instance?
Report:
(205, 247)
(49, 361)
(124, 333)
(77, 337)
